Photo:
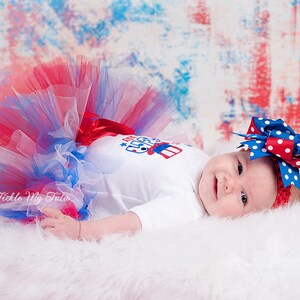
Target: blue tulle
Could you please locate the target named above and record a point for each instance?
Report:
(38, 147)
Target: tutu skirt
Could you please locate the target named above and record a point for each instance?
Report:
(45, 133)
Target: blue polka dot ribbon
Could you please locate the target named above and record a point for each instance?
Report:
(267, 137)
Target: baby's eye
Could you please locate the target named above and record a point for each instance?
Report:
(240, 168)
(244, 198)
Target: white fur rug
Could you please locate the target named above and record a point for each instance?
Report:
(257, 257)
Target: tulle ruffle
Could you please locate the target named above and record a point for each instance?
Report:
(42, 153)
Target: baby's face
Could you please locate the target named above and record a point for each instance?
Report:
(232, 186)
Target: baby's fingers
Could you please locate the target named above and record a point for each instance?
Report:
(53, 213)
(49, 222)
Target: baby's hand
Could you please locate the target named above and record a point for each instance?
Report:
(59, 224)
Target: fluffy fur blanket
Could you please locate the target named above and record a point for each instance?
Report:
(255, 257)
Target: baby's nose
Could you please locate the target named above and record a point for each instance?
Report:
(228, 183)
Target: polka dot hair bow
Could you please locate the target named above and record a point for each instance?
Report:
(267, 137)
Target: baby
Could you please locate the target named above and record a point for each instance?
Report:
(159, 184)
(77, 143)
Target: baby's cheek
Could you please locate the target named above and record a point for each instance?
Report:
(227, 209)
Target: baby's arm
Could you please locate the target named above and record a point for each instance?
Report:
(65, 226)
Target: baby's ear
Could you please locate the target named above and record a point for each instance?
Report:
(295, 194)
(244, 149)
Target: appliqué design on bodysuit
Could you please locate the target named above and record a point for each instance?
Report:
(150, 146)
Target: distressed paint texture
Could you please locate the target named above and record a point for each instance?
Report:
(220, 61)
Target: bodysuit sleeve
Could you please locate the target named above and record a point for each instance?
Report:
(171, 207)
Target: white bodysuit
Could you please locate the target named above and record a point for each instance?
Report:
(156, 180)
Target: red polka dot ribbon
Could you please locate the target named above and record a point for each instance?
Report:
(267, 137)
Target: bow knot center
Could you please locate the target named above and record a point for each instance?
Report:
(280, 147)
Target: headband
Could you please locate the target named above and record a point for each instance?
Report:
(274, 138)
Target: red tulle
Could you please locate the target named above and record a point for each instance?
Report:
(67, 104)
